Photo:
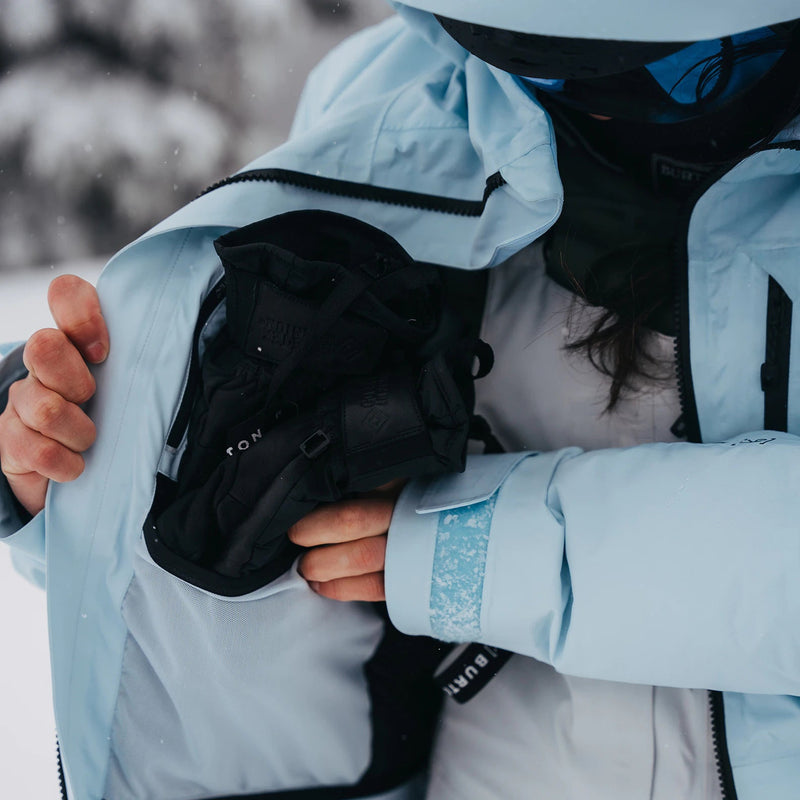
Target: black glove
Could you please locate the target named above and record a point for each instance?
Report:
(348, 371)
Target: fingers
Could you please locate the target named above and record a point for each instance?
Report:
(367, 588)
(75, 307)
(27, 451)
(343, 522)
(43, 430)
(52, 359)
(348, 541)
(42, 410)
(349, 559)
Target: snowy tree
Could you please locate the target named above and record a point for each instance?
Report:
(115, 112)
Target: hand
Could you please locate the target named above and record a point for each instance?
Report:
(348, 545)
(43, 430)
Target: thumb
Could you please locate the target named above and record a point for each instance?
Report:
(75, 307)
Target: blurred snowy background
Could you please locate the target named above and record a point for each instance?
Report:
(113, 113)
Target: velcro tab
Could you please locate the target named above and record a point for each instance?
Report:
(482, 478)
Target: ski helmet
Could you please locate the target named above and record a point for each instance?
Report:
(610, 72)
(622, 20)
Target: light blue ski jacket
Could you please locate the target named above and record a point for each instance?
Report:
(670, 564)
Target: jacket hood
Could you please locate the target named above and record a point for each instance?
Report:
(625, 20)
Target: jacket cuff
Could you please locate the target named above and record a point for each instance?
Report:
(12, 369)
(409, 563)
(448, 539)
(13, 515)
(28, 550)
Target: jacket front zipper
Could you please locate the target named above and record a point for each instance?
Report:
(62, 781)
(719, 740)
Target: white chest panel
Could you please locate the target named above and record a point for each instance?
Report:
(532, 733)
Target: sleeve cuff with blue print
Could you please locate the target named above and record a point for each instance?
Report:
(478, 556)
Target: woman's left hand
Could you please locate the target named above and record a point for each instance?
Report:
(348, 545)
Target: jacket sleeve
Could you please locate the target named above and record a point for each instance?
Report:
(666, 564)
(24, 534)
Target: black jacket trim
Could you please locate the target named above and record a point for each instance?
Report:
(366, 191)
(775, 369)
(689, 416)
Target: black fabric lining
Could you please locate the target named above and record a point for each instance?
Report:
(323, 793)
(366, 191)
(198, 575)
(775, 369)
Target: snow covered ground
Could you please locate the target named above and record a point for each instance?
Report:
(27, 731)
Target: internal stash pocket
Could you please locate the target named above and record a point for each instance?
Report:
(339, 368)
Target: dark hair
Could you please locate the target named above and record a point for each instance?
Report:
(618, 342)
(635, 302)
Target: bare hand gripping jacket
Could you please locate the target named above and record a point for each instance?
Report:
(339, 368)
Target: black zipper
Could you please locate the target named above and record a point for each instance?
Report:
(688, 424)
(366, 191)
(62, 782)
(719, 740)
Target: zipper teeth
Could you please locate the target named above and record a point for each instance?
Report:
(62, 782)
(365, 191)
(719, 743)
(715, 744)
(681, 349)
(680, 373)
